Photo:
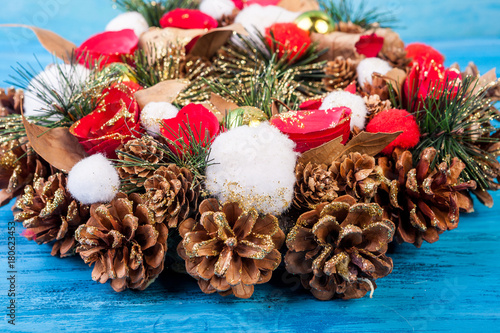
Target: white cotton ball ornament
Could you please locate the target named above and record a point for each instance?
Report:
(253, 166)
(93, 180)
(129, 20)
(217, 8)
(63, 79)
(354, 102)
(369, 66)
(259, 17)
(153, 113)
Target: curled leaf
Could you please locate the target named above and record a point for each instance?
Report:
(210, 42)
(219, 106)
(57, 145)
(165, 91)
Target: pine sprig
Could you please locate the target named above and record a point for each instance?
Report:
(347, 11)
(153, 10)
(457, 123)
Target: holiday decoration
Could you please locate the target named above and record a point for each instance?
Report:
(209, 132)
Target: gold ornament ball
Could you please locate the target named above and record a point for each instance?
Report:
(245, 115)
(315, 21)
(124, 70)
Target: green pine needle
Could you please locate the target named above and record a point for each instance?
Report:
(346, 11)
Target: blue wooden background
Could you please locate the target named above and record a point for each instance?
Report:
(452, 285)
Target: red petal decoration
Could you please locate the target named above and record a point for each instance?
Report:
(423, 54)
(238, 3)
(288, 39)
(195, 118)
(188, 19)
(110, 45)
(369, 45)
(351, 88)
(313, 104)
(311, 128)
(261, 2)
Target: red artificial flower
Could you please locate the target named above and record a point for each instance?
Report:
(193, 121)
(394, 120)
(423, 54)
(351, 88)
(107, 47)
(188, 19)
(429, 81)
(288, 39)
(313, 104)
(369, 45)
(312, 128)
(238, 3)
(113, 122)
(261, 2)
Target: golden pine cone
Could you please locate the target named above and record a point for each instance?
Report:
(49, 213)
(375, 105)
(339, 73)
(228, 250)
(424, 202)
(314, 184)
(339, 248)
(123, 242)
(171, 194)
(377, 87)
(10, 101)
(144, 150)
(357, 175)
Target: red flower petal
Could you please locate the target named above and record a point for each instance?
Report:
(311, 128)
(288, 39)
(188, 19)
(369, 45)
(261, 2)
(238, 4)
(313, 104)
(110, 45)
(423, 54)
(351, 88)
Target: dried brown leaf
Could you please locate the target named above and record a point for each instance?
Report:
(364, 143)
(396, 77)
(52, 42)
(219, 106)
(299, 5)
(57, 145)
(165, 91)
(210, 42)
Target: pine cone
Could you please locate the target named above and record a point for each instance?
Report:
(314, 184)
(349, 27)
(144, 149)
(171, 194)
(229, 251)
(339, 73)
(396, 56)
(124, 243)
(50, 214)
(339, 248)
(425, 201)
(226, 20)
(377, 87)
(10, 101)
(357, 175)
(375, 105)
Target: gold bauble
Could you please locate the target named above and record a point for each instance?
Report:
(124, 70)
(315, 21)
(245, 115)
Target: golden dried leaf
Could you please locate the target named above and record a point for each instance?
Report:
(219, 106)
(486, 79)
(363, 143)
(52, 42)
(165, 91)
(299, 5)
(210, 42)
(396, 77)
(57, 145)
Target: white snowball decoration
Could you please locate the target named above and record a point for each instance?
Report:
(259, 17)
(217, 8)
(93, 180)
(153, 113)
(64, 79)
(253, 166)
(129, 20)
(354, 102)
(369, 66)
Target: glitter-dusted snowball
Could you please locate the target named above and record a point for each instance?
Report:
(354, 102)
(253, 166)
(61, 79)
(93, 180)
(129, 20)
(153, 113)
(217, 8)
(369, 66)
(259, 17)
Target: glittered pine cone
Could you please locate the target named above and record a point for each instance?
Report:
(357, 175)
(228, 250)
(339, 73)
(10, 101)
(314, 184)
(396, 56)
(124, 243)
(49, 214)
(425, 201)
(171, 194)
(377, 87)
(338, 249)
(375, 105)
(144, 150)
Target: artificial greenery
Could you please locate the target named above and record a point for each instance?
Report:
(347, 11)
